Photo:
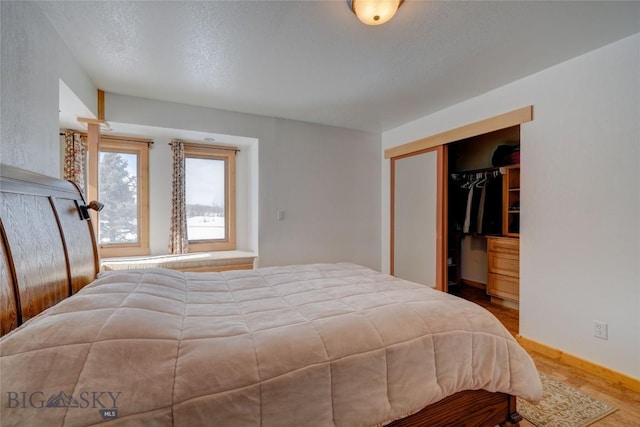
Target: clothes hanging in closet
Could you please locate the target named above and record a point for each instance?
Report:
(476, 203)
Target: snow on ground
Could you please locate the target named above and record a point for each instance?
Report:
(205, 228)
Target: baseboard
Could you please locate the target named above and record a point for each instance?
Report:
(596, 369)
(473, 283)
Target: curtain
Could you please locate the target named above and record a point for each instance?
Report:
(74, 158)
(178, 240)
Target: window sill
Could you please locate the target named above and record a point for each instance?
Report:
(197, 261)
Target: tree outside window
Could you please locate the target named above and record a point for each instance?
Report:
(118, 183)
(120, 180)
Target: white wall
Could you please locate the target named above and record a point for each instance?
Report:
(474, 264)
(34, 58)
(326, 179)
(580, 224)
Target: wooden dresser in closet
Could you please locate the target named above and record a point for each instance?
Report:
(503, 254)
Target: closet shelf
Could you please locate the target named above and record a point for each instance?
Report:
(511, 201)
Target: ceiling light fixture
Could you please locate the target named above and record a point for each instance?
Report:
(374, 12)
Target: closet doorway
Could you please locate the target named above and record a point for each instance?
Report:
(451, 158)
(483, 205)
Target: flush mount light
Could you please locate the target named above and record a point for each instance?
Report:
(374, 12)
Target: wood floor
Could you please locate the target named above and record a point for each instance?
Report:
(627, 401)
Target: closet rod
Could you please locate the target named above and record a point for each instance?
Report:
(491, 169)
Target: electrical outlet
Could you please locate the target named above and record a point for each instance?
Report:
(600, 330)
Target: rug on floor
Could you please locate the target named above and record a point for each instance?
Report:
(563, 406)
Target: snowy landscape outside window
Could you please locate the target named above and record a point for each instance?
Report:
(205, 194)
(210, 197)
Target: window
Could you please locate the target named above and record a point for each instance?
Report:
(122, 184)
(210, 197)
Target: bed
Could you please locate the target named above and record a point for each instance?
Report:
(317, 345)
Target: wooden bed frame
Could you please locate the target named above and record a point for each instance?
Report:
(49, 253)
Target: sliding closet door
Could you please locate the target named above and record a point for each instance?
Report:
(415, 218)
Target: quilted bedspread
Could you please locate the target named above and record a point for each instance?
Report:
(306, 345)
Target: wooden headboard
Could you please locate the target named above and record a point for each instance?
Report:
(48, 252)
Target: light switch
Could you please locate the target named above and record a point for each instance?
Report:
(280, 215)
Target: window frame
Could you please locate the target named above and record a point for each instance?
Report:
(228, 154)
(139, 147)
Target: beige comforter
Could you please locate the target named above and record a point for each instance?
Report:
(308, 345)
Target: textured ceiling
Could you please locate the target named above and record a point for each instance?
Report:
(314, 61)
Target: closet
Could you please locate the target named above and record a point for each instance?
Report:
(483, 214)
(430, 180)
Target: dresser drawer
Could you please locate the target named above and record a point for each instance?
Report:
(503, 245)
(503, 287)
(505, 264)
